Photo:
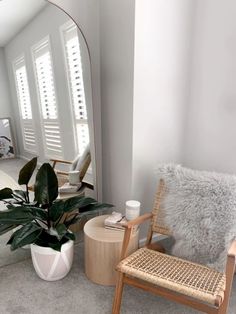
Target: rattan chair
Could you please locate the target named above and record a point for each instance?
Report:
(191, 284)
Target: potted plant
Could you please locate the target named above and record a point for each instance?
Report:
(44, 222)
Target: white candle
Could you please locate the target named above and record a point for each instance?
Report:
(132, 210)
(74, 177)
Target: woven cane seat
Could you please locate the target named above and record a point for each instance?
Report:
(191, 279)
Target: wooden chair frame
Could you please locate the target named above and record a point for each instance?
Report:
(220, 308)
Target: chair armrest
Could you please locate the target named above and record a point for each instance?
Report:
(232, 249)
(62, 161)
(139, 220)
(65, 173)
(128, 230)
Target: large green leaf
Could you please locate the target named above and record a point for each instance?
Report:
(25, 211)
(5, 193)
(71, 220)
(26, 235)
(60, 207)
(27, 171)
(81, 203)
(47, 240)
(46, 185)
(78, 202)
(70, 236)
(61, 230)
(39, 213)
(5, 228)
(56, 210)
(94, 206)
(20, 194)
(16, 215)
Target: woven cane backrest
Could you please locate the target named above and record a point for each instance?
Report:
(157, 224)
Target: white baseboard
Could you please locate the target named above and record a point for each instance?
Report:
(156, 237)
(26, 158)
(23, 157)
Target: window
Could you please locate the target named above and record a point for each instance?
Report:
(76, 84)
(24, 102)
(47, 98)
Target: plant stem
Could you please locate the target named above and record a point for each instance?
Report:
(37, 219)
(6, 202)
(27, 193)
(48, 217)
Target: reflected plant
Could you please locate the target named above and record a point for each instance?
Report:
(46, 220)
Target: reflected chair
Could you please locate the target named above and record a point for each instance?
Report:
(81, 163)
(195, 285)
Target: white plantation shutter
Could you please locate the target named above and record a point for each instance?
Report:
(76, 85)
(24, 102)
(46, 91)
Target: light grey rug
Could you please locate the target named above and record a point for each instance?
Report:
(22, 292)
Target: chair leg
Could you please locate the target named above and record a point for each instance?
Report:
(224, 308)
(230, 269)
(118, 294)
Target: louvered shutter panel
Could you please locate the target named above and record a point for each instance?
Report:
(47, 97)
(24, 102)
(76, 84)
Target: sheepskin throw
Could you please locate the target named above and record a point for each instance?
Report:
(200, 210)
(79, 161)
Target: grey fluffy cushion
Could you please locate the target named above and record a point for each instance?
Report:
(200, 209)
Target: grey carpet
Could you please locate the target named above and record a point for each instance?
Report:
(22, 292)
(6, 256)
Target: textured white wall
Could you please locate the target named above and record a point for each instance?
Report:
(5, 105)
(163, 30)
(210, 140)
(117, 66)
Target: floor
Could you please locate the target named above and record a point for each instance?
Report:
(22, 292)
(11, 167)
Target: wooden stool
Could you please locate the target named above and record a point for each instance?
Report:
(103, 249)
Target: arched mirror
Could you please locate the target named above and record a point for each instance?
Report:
(45, 87)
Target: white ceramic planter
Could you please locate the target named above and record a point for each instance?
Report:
(52, 265)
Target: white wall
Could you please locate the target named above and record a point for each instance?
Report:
(161, 84)
(144, 91)
(117, 66)
(5, 106)
(208, 137)
(210, 140)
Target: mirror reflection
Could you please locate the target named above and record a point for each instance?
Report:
(46, 92)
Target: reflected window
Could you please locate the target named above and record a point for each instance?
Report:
(47, 98)
(76, 84)
(24, 102)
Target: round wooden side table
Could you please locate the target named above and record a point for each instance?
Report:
(103, 249)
